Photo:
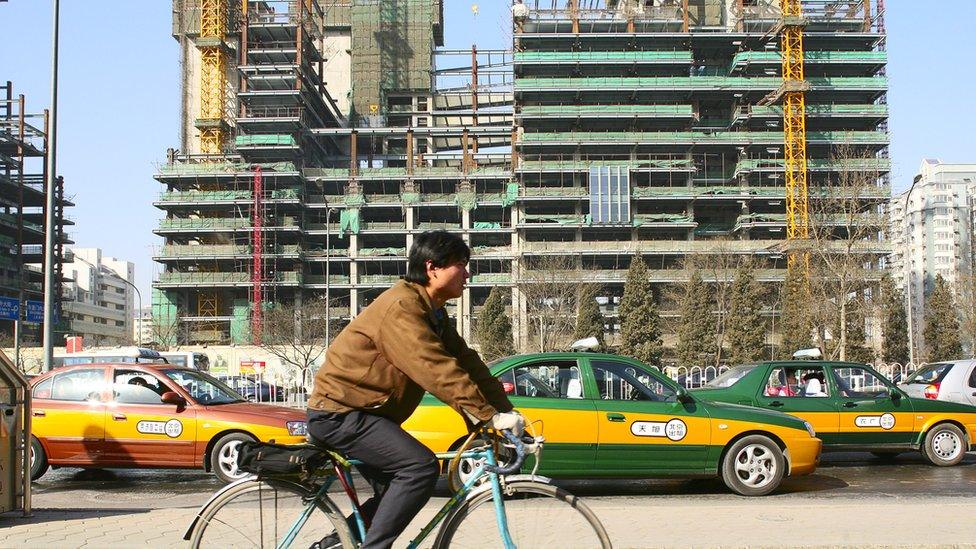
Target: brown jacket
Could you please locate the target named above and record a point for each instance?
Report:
(394, 350)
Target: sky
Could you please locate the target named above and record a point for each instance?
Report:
(119, 97)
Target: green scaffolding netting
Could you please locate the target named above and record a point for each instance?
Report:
(562, 219)
(696, 82)
(349, 221)
(377, 252)
(466, 201)
(580, 110)
(353, 200)
(736, 138)
(486, 225)
(410, 198)
(643, 219)
(271, 140)
(550, 56)
(511, 194)
(224, 167)
(240, 324)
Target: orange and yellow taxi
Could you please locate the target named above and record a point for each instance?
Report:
(148, 415)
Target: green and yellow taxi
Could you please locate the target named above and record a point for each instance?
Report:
(852, 407)
(604, 415)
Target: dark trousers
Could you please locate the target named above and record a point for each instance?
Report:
(401, 470)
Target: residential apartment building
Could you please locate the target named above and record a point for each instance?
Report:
(932, 233)
(99, 297)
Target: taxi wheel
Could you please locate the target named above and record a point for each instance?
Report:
(945, 445)
(753, 466)
(38, 459)
(223, 457)
(467, 466)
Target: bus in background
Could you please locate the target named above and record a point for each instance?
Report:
(131, 355)
(195, 360)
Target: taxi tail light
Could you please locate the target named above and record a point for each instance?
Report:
(932, 391)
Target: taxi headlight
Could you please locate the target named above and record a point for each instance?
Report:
(813, 433)
(297, 428)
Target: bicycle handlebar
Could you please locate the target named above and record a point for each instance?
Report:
(519, 457)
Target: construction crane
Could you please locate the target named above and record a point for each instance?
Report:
(795, 131)
(213, 80)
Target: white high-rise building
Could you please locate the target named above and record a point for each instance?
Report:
(99, 298)
(932, 233)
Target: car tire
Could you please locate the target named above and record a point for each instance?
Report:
(38, 459)
(223, 457)
(945, 445)
(753, 466)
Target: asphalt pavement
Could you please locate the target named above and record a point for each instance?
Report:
(853, 500)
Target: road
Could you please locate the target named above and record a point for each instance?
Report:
(853, 500)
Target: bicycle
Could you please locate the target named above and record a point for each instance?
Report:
(528, 510)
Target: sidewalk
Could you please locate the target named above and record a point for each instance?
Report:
(633, 522)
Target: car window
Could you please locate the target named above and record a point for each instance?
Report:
(931, 373)
(972, 377)
(79, 385)
(43, 389)
(549, 379)
(135, 387)
(203, 388)
(855, 382)
(623, 381)
(794, 381)
(730, 377)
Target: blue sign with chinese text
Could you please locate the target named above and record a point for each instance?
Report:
(35, 311)
(9, 308)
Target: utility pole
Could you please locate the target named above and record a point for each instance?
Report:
(52, 176)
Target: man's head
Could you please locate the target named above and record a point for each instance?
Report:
(438, 260)
(138, 381)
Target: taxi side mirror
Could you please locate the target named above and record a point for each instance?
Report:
(894, 393)
(684, 396)
(169, 397)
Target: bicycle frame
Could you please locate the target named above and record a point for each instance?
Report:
(343, 473)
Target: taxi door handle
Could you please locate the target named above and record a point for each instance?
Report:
(119, 417)
(850, 405)
(775, 404)
(38, 413)
(616, 417)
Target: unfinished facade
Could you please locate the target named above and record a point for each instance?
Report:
(23, 172)
(610, 128)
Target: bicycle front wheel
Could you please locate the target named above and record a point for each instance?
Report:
(260, 513)
(539, 515)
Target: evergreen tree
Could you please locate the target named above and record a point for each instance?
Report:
(941, 332)
(696, 334)
(746, 330)
(494, 328)
(590, 322)
(796, 320)
(857, 350)
(640, 325)
(894, 323)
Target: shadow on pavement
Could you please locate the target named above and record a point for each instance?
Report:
(40, 516)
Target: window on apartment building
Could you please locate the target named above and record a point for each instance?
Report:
(610, 194)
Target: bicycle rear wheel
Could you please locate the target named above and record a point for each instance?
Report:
(259, 513)
(539, 516)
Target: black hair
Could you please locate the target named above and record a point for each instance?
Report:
(441, 248)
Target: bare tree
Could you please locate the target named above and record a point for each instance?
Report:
(965, 295)
(297, 335)
(553, 287)
(846, 223)
(168, 332)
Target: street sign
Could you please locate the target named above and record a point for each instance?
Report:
(35, 311)
(9, 308)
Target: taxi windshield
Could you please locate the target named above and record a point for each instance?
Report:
(203, 388)
(730, 377)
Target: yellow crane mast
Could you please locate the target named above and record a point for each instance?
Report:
(213, 79)
(794, 128)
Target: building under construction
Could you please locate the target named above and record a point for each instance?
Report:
(23, 172)
(320, 136)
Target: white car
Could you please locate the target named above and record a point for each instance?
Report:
(949, 381)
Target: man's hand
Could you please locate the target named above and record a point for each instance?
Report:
(508, 421)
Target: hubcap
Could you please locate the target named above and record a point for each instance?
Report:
(947, 445)
(755, 466)
(227, 459)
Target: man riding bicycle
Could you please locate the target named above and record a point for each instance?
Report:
(376, 372)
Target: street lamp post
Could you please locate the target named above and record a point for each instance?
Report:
(909, 271)
(48, 339)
